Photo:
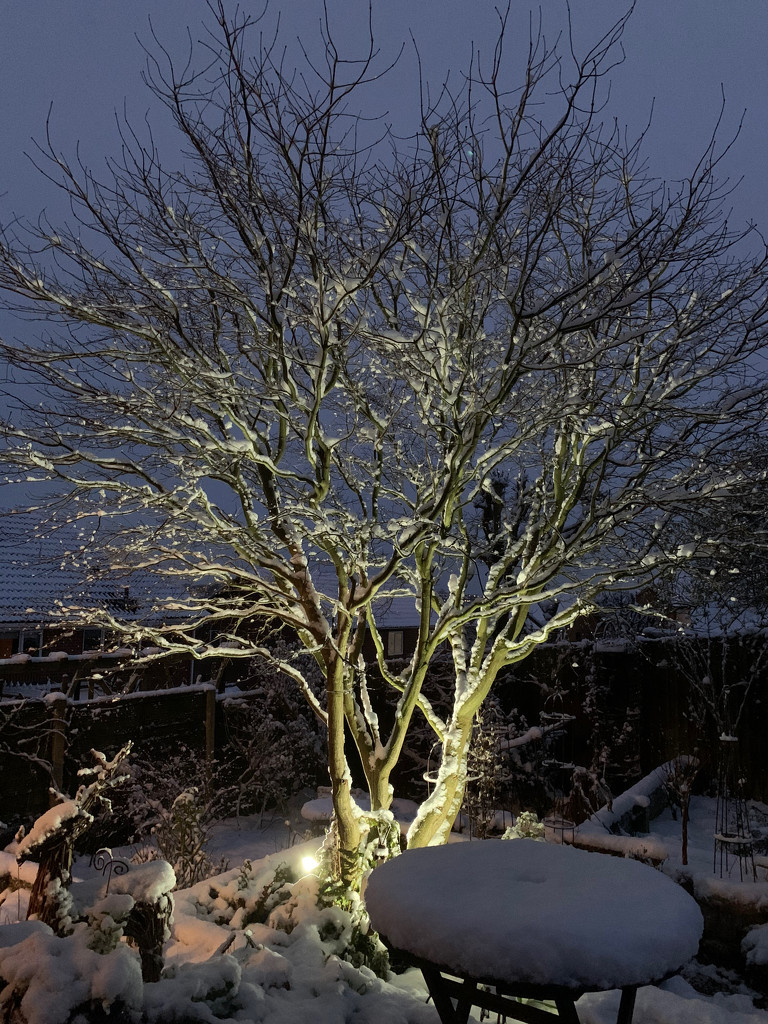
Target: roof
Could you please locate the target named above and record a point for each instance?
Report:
(53, 579)
(398, 612)
(54, 576)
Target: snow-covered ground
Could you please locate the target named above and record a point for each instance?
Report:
(220, 968)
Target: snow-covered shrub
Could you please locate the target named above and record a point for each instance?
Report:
(194, 992)
(358, 945)
(105, 922)
(53, 980)
(526, 826)
(261, 902)
(485, 769)
(51, 841)
(678, 776)
(274, 892)
(170, 808)
(180, 835)
(588, 793)
(136, 905)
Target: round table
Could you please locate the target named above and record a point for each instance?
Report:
(531, 919)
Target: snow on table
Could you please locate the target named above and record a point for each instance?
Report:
(524, 912)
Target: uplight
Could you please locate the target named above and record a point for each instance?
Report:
(309, 864)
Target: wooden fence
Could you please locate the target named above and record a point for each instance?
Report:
(636, 701)
(46, 740)
(643, 702)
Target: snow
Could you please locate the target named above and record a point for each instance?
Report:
(9, 866)
(48, 823)
(598, 832)
(535, 913)
(146, 883)
(674, 1002)
(638, 795)
(644, 848)
(17, 932)
(73, 975)
(698, 874)
(219, 970)
(755, 945)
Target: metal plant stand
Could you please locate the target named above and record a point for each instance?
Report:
(734, 841)
(559, 768)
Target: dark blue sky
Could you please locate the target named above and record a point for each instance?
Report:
(83, 56)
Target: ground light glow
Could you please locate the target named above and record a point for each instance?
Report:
(309, 864)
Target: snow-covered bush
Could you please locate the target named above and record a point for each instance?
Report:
(170, 808)
(180, 835)
(53, 980)
(256, 900)
(51, 840)
(106, 920)
(526, 826)
(486, 773)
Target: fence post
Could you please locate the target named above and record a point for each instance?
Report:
(210, 721)
(57, 705)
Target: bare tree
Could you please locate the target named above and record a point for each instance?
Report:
(722, 659)
(294, 367)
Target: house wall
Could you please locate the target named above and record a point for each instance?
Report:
(406, 636)
(27, 640)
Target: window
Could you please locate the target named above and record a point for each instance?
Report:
(93, 639)
(394, 643)
(32, 642)
(9, 644)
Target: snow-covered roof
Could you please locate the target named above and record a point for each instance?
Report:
(396, 612)
(48, 580)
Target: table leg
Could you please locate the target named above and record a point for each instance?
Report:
(445, 990)
(627, 1005)
(441, 997)
(566, 1011)
(454, 999)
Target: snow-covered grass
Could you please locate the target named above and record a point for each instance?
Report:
(288, 969)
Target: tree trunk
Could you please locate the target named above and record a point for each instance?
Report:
(438, 812)
(379, 789)
(148, 924)
(55, 865)
(345, 819)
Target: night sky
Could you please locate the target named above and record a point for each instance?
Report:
(83, 56)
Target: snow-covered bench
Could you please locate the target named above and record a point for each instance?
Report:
(613, 828)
